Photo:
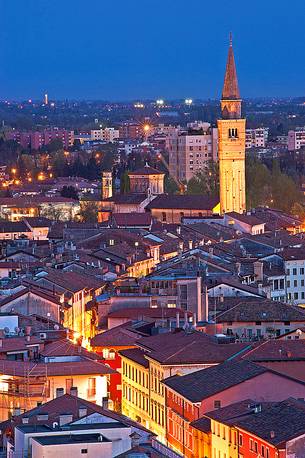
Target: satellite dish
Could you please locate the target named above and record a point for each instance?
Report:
(56, 327)
(17, 330)
(6, 330)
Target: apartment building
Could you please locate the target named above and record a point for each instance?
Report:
(155, 359)
(294, 261)
(296, 139)
(190, 152)
(257, 138)
(109, 134)
(37, 139)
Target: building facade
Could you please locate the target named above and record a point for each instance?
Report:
(191, 151)
(257, 138)
(296, 139)
(232, 135)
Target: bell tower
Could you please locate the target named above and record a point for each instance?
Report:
(106, 185)
(232, 140)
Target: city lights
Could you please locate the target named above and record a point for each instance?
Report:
(188, 101)
(160, 102)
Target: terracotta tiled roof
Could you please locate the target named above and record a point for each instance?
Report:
(188, 348)
(67, 348)
(207, 382)
(248, 219)
(132, 219)
(16, 226)
(117, 337)
(137, 355)
(275, 422)
(183, 202)
(9, 344)
(61, 406)
(278, 350)
(267, 311)
(83, 367)
(146, 170)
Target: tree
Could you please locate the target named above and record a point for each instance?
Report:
(89, 211)
(205, 181)
(54, 145)
(70, 192)
(125, 183)
(170, 186)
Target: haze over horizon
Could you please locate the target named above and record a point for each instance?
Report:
(133, 50)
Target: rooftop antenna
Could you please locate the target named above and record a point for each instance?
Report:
(230, 39)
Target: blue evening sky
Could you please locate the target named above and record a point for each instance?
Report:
(135, 49)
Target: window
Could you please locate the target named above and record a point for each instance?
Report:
(164, 217)
(84, 451)
(302, 271)
(295, 283)
(302, 282)
(296, 295)
(108, 354)
(240, 440)
(294, 271)
(263, 451)
(217, 404)
(288, 283)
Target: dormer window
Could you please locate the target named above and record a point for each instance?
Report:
(233, 133)
(111, 242)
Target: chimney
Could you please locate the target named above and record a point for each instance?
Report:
(185, 319)
(82, 411)
(190, 244)
(238, 267)
(177, 320)
(194, 320)
(28, 338)
(272, 434)
(59, 392)
(28, 330)
(203, 311)
(258, 267)
(135, 440)
(65, 418)
(211, 251)
(105, 403)
(199, 297)
(73, 391)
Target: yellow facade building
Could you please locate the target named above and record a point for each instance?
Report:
(232, 143)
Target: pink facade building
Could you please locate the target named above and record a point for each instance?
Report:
(36, 139)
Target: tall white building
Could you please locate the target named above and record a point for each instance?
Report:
(257, 138)
(190, 151)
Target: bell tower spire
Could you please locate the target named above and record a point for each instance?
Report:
(231, 142)
(230, 99)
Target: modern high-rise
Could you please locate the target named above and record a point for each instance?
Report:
(191, 150)
(231, 143)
